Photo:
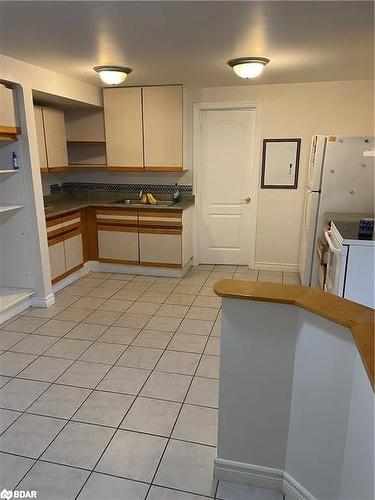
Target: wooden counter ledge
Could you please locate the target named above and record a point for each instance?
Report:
(358, 318)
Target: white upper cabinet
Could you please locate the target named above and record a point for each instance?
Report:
(7, 108)
(143, 128)
(123, 128)
(51, 136)
(162, 115)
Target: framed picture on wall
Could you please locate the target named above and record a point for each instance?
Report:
(280, 163)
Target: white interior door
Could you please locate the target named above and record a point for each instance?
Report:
(224, 182)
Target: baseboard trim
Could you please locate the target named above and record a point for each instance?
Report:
(239, 472)
(147, 271)
(261, 477)
(295, 491)
(43, 301)
(12, 311)
(72, 277)
(276, 266)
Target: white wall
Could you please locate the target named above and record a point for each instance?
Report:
(296, 110)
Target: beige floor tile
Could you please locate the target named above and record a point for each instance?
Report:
(184, 363)
(55, 328)
(46, 369)
(209, 367)
(213, 346)
(99, 317)
(237, 491)
(172, 310)
(181, 457)
(74, 314)
(34, 344)
(68, 348)
(124, 380)
(197, 424)
(9, 339)
(137, 287)
(132, 455)
(86, 331)
(202, 301)
(11, 363)
(101, 352)
(204, 392)
(167, 386)
(140, 357)
(270, 276)
(45, 312)
(115, 305)
(104, 408)
(100, 275)
(127, 294)
(114, 285)
(143, 308)
(145, 279)
(291, 278)
(59, 401)
(89, 302)
(152, 338)
(216, 329)
(160, 493)
(180, 299)
(101, 486)
(195, 326)
(122, 276)
(101, 293)
(187, 343)
(246, 276)
(164, 414)
(224, 268)
(207, 291)
(76, 290)
(25, 324)
(64, 300)
(163, 323)
(131, 320)
(155, 297)
(19, 394)
(162, 287)
(187, 289)
(82, 374)
(119, 335)
(167, 279)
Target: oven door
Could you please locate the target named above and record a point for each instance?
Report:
(336, 264)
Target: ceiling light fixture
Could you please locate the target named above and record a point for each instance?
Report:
(248, 67)
(113, 75)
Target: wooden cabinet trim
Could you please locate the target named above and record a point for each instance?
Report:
(177, 168)
(119, 168)
(111, 227)
(119, 261)
(161, 213)
(54, 222)
(55, 239)
(152, 230)
(67, 273)
(72, 216)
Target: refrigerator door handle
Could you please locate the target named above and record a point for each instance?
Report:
(327, 235)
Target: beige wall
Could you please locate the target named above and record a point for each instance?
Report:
(296, 110)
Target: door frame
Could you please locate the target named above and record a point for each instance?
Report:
(198, 108)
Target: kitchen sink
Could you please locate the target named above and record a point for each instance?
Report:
(137, 203)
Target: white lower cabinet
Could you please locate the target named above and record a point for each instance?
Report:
(118, 244)
(160, 248)
(56, 258)
(73, 252)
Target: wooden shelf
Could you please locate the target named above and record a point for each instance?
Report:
(87, 165)
(9, 208)
(10, 296)
(9, 133)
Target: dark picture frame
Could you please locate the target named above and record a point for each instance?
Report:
(294, 184)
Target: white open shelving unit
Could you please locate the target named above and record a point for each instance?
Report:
(16, 272)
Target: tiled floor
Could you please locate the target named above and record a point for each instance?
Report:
(113, 391)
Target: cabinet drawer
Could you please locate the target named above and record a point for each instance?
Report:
(73, 251)
(160, 248)
(72, 221)
(117, 217)
(54, 227)
(56, 258)
(155, 218)
(118, 244)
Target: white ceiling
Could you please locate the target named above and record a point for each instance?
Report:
(190, 42)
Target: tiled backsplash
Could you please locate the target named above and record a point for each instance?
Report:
(132, 188)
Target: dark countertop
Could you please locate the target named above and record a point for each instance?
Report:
(65, 202)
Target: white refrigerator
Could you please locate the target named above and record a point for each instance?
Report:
(340, 179)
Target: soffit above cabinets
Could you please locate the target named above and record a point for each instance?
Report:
(190, 42)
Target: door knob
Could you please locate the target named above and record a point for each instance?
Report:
(246, 200)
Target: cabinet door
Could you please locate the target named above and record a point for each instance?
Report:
(162, 114)
(55, 137)
(73, 251)
(56, 258)
(118, 244)
(40, 138)
(123, 128)
(160, 247)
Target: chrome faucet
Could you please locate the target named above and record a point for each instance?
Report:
(140, 194)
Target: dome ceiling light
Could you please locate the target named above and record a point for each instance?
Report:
(248, 67)
(112, 75)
